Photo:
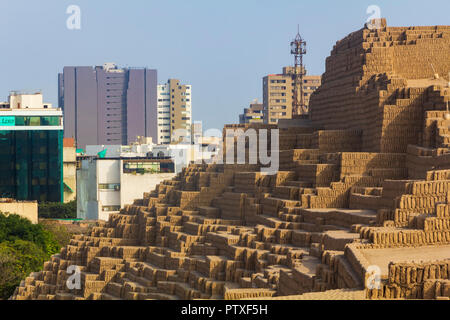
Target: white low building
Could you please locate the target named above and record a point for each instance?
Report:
(112, 176)
(105, 185)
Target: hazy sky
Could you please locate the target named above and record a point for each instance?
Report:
(222, 48)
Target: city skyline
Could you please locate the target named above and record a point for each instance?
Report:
(218, 50)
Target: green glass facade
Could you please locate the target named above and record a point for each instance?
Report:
(31, 162)
(30, 121)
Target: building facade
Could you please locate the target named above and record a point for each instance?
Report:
(253, 114)
(69, 169)
(174, 112)
(107, 104)
(31, 149)
(181, 154)
(278, 93)
(196, 131)
(106, 185)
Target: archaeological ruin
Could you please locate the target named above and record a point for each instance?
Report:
(359, 209)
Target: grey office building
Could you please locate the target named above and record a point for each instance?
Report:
(106, 105)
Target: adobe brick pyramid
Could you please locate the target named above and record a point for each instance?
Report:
(365, 185)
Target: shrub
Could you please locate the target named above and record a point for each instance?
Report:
(17, 260)
(14, 227)
(56, 210)
(60, 233)
(24, 247)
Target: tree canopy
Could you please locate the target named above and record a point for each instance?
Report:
(24, 247)
(56, 210)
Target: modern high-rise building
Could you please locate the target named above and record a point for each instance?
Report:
(253, 114)
(174, 112)
(107, 104)
(31, 149)
(278, 93)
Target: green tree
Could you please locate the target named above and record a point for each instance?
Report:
(24, 247)
(9, 275)
(14, 227)
(60, 233)
(17, 260)
(56, 210)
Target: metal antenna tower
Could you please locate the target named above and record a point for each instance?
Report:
(298, 49)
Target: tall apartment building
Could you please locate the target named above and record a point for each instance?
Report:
(174, 112)
(278, 92)
(107, 104)
(31, 149)
(253, 114)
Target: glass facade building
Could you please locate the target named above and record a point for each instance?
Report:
(31, 157)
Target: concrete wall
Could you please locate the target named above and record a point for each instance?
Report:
(70, 173)
(25, 101)
(87, 195)
(134, 186)
(27, 210)
(108, 172)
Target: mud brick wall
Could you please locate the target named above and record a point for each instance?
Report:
(326, 198)
(363, 201)
(443, 211)
(239, 294)
(433, 224)
(337, 140)
(371, 164)
(289, 159)
(362, 75)
(431, 124)
(382, 237)
(416, 203)
(419, 198)
(414, 281)
(304, 141)
(436, 289)
(319, 175)
(418, 166)
(248, 129)
(402, 124)
(257, 182)
(288, 136)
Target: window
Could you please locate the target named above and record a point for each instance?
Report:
(109, 186)
(149, 167)
(110, 208)
(37, 121)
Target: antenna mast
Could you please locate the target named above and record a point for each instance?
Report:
(298, 49)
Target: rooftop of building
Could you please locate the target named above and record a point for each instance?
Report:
(287, 71)
(26, 100)
(69, 142)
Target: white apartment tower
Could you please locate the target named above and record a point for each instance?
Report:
(174, 112)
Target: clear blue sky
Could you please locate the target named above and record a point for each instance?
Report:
(222, 48)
